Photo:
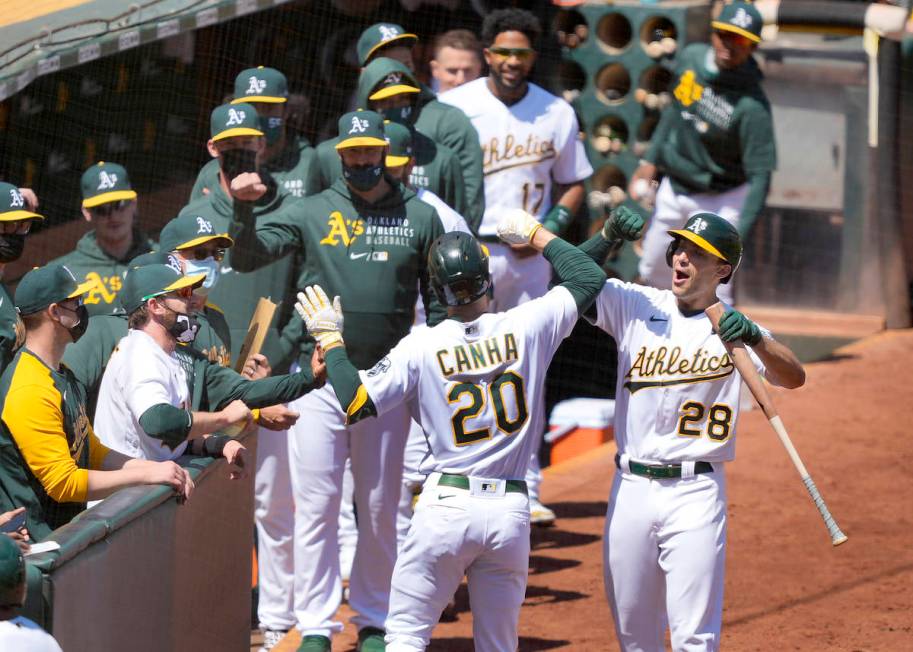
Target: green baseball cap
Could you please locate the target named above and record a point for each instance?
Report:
(260, 84)
(396, 80)
(43, 286)
(741, 18)
(380, 35)
(12, 205)
(400, 139)
(361, 129)
(714, 235)
(12, 571)
(143, 283)
(230, 120)
(105, 182)
(189, 230)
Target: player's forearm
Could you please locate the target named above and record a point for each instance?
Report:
(598, 248)
(782, 367)
(254, 247)
(561, 215)
(275, 389)
(582, 277)
(352, 396)
(104, 483)
(758, 185)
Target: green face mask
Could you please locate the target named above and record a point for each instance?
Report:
(272, 128)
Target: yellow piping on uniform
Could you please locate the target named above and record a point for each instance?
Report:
(361, 398)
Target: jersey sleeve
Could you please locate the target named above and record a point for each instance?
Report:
(615, 304)
(571, 165)
(394, 379)
(146, 385)
(548, 319)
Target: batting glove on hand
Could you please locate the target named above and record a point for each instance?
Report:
(623, 224)
(517, 227)
(322, 318)
(736, 326)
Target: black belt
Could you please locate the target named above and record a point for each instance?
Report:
(462, 482)
(663, 471)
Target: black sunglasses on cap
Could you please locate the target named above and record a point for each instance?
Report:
(105, 210)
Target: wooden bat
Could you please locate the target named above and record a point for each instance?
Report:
(256, 332)
(752, 378)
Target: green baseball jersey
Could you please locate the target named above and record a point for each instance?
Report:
(236, 293)
(436, 168)
(718, 132)
(8, 319)
(294, 169)
(89, 262)
(372, 255)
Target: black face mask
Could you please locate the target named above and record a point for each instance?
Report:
(11, 246)
(184, 327)
(404, 115)
(363, 177)
(237, 161)
(78, 329)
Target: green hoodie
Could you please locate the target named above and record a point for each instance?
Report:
(295, 170)
(89, 262)
(372, 255)
(718, 132)
(8, 318)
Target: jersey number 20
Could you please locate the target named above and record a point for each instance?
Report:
(508, 420)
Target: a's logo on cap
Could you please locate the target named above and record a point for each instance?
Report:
(16, 200)
(388, 32)
(204, 226)
(256, 86)
(742, 18)
(235, 117)
(698, 225)
(393, 78)
(106, 180)
(174, 263)
(359, 126)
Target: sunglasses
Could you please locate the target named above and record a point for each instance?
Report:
(105, 210)
(200, 253)
(506, 53)
(19, 227)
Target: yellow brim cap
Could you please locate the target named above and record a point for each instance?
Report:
(81, 289)
(387, 42)
(699, 241)
(237, 131)
(16, 216)
(361, 141)
(726, 27)
(207, 238)
(396, 161)
(105, 198)
(193, 280)
(390, 91)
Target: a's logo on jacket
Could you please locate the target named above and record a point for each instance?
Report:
(688, 91)
(106, 180)
(342, 229)
(256, 86)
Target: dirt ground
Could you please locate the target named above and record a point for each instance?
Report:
(787, 588)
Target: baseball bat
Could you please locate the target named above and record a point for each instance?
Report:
(752, 378)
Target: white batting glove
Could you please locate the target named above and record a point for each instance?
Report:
(517, 227)
(322, 318)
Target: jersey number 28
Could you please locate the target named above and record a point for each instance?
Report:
(719, 420)
(507, 397)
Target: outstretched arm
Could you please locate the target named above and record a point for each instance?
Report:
(258, 245)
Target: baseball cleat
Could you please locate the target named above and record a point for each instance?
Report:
(314, 643)
(540, 515)
(371, 639)
(271, 638)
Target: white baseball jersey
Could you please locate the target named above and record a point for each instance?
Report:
(525, 147)
(139, 375)
(23, 635)
(677, 396)
(471, 386)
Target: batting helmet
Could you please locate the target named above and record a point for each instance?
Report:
(458, 266)
(713, 234)
(12, 573)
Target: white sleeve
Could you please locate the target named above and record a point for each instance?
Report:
(615, 304)
(394, 379)
(146, 384)
(572, 164)
(548, 319)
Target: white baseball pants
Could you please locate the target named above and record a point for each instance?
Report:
(663, 561)
(416, 451)
(455, 533)
(671, 212)
(319, 445)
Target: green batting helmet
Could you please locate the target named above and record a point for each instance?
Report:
(714, 235)
(12, 572)
(458, 266)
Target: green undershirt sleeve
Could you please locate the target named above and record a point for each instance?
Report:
(168, 423)
(352, 395)
(576, 270)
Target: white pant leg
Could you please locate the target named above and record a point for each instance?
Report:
(318, 448)
(274, 515)
(667, 214)
(497, 577)
(692, 543)
(348, 530)
(634, 581)
(377, 446)
(416, 451)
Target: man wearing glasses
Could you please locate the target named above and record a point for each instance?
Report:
(102, 254)
(530, 143)
(714, 143)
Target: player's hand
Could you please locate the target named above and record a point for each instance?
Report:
(237, 412)
(517, 227)
(623, 224)
(20, 536)
(318, 367)
(322, 318)
(171, 474)
(256, 367)
(247, 186)
(736, 326)
(645, 173)
(277, 417)
(31, 199)
(523, 251)
(236, 456)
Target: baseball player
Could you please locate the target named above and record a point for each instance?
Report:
(714, 142)
(530, 141)
(16, 631)
(288, 157)
(16, 217)
(102, 254)
(470, 381)
(366, 238)
(444, 124)
(456, 60)
(676, 416)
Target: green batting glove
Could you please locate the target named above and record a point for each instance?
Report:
(736, 326)
(558, 219)
(623, 224)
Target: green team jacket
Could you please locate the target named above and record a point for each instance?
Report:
(718, 132)
(8, 319)
(294, 169)
(372, 255)
(236, 293)
(89, 262)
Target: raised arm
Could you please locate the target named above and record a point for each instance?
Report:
(621, 224)
(257, 245)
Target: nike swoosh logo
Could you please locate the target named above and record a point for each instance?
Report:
(442, 496)
(355, 256)
(652, 318)
(226, 269)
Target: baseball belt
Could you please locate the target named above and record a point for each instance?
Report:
(462, 482)
(662, 471)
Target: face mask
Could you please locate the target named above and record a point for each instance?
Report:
(272, 129)
(78, 329)
(237, 161)
(363, 177)
(208, 266)
(11, 247)
(184, 327)
(404, 115)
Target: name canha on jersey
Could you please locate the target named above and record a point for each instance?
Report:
(677, 396)
(472, 386)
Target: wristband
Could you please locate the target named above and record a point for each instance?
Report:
(255, 412)
(213, 445)
(557, 219)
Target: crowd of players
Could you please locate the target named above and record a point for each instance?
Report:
(116, 358)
